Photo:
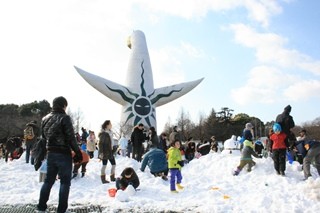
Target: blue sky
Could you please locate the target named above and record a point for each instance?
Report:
(256, 57)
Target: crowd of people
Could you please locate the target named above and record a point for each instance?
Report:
(164, 154)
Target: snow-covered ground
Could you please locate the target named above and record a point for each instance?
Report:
(209, 187)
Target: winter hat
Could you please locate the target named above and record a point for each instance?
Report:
(249, 126)
(287, 108)
(59, 103)
(276, 127)
(247, 135)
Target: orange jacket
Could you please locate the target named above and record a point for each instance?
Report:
(85, 156)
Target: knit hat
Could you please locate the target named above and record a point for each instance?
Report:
(287, 108)
(247, 135)
(59, 103)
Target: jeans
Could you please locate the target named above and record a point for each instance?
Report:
(58, 164)
(175, 173)
(29, 146)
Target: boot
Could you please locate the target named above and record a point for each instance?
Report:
(164, 178)
(74, 175)
(82, 174)
(113, 171)
(112, 178)
(103, 179)
(179, 186)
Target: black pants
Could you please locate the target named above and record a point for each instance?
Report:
(137, 153)
(78, 165)
(279, 159)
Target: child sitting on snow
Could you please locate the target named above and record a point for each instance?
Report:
(175, 163)
(247, 153)
(128, 177)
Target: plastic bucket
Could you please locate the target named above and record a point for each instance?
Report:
(112, 192)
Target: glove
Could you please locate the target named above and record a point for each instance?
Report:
(181, 163)
(77, 158)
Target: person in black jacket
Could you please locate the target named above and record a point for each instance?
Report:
(287, 123)
(128, 177)
(57, 130)
(153, 138)
(137, 139)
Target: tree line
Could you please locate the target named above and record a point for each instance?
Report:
(222, 124)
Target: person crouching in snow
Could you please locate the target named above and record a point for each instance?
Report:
(247, 153)
(128, 177)
(313, 154)
(175, 163)
(82, 164)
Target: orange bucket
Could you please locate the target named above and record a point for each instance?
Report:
(112, 192)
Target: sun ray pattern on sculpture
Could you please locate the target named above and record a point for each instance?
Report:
(138, 98)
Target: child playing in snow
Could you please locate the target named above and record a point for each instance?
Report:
(279, 148)
(82, 164)
(175, 163)
(128, 177)
(247, 153)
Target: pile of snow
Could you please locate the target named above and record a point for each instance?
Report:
(209, 187)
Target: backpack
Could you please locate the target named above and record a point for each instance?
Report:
(28, 133)
(39, 152)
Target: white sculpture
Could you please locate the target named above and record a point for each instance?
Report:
(138, 98)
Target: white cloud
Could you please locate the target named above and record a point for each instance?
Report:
(259, 11)
(191, 50)
(264, 85)
(262, 10)
(270, 48)
(166, 66)
(303, 90)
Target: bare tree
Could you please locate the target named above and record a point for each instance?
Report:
(125, 129)
(167, 127)
(77, 117)
(185, 124)
(201, 127)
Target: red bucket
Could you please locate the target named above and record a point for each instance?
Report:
(112, 192)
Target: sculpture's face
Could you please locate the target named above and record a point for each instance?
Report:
(142, 106)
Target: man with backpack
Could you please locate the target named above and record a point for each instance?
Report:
(31, 133)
